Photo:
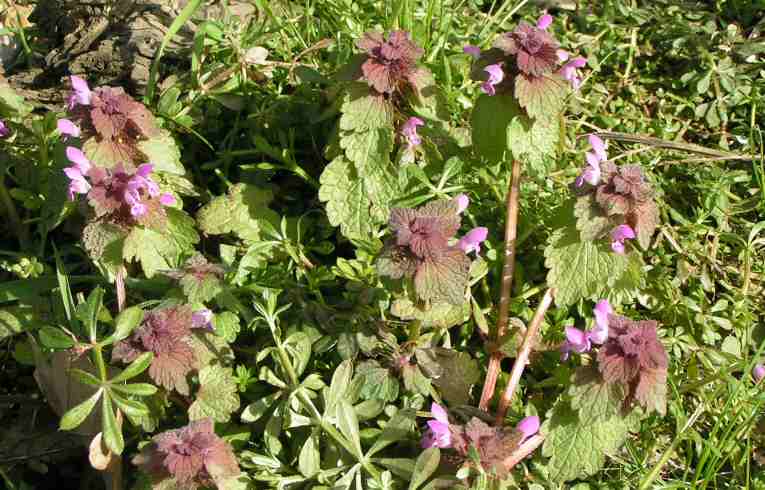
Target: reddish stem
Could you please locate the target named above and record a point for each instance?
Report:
(528, 447)
(119, 282)
(523, 355)
(511, 233)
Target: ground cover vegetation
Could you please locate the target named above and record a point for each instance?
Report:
(383, 245)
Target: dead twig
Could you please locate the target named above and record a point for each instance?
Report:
(523, 355)
(511, 234)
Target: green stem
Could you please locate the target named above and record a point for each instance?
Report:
(98, 354)
(315, 415)
(12, 213)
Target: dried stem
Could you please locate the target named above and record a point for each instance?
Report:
(523, 450)
(119, 283)
(511, 233)
(523, 355)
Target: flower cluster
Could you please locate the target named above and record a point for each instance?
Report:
(166, 332)
(493, 444)
(580, 341)
(390, 63)
(126, 196)
(423, 249)
(194, 456)
(634, 357)
(114, 121)
(621, 195)
(529, 53)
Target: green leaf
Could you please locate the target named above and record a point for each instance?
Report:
(162, 250)
(581, 269)
(55, 338)
(217, 396)
(139, 365)
(363, 109)
(136, 389)
(131, 408)
(400, 427)
(242, 212)
(84, 377)
(534, 142)
(257, 409)
(163, 152)
(426, 465)
(352, 199)
(490, 121)
(210, 348)
(443, 279)
(593, 398)
(542, 97)
(309, 459)
(438, 315)
(12, 104)
(378, 382)
(349, 425)
(578, 448)
(89, 311)
(368, 149)
(15, 320)
(126, 322)
(341, 381)
(77, 414)
(112, 431)
(452, 372)
(591, 221)
(226, 325)
(104, 243)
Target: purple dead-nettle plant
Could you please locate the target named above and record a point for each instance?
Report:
(5, 131)
(528, 63)
(634, 357)
(421, 250)
(758, 372)
(492, 444)
(200, 280)
(438, 434)
(472, 240)
(591, 173)
(614, 201)
(463, 201)
(202, 319)
(496, 75)
(68, 129)
(391, 63)
(472, 51)
(409, 132)
(193, 456)
(166, 332)
(113, 121)
(124, 198)
(580, 341)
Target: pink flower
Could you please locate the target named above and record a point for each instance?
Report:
(81, 92)
(496, 75)
(438, 434)
(758, 372)
(591, 173)
(471, 242)
(544, 21)
(473, 51)
(620, 234)
(409, 130)
(569, 70)
(5, 131)
(68, 128)
(202, 319)
(599, 332)
(462, 203)
(77, 172)
(528, 426)
(167, 199)
(576, 341)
